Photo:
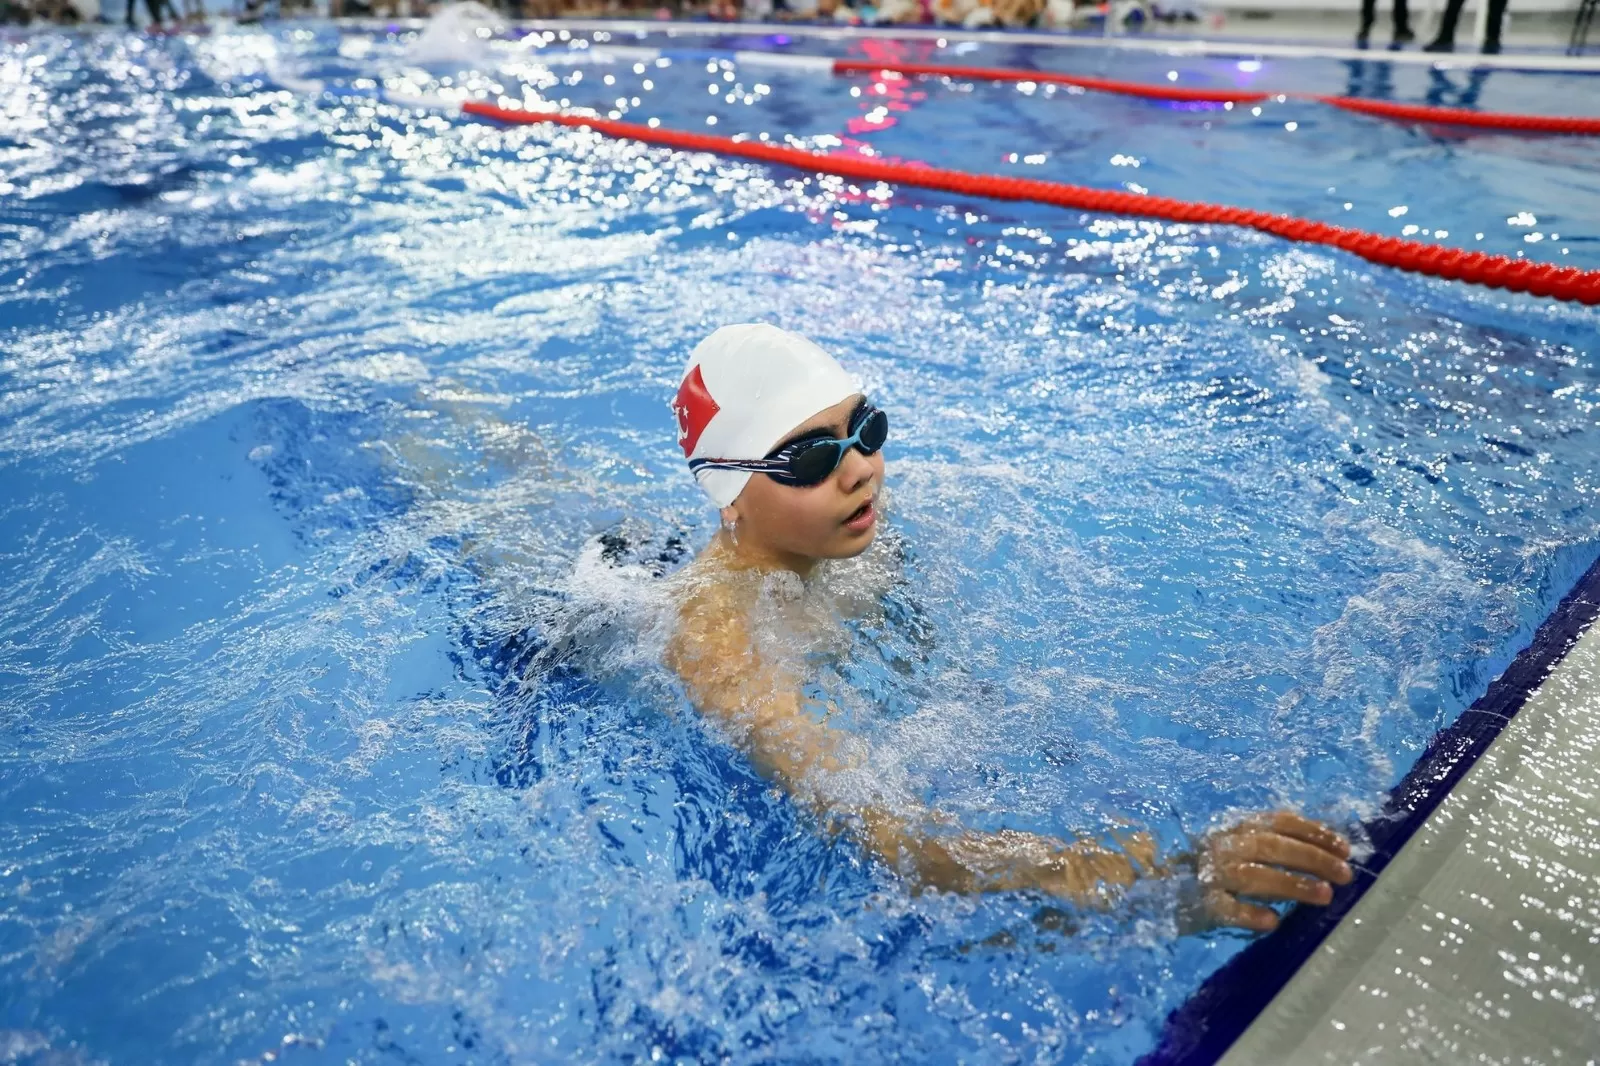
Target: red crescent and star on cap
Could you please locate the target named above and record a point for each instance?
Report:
(695, 409)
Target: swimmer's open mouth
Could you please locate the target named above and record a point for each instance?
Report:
(860, 515)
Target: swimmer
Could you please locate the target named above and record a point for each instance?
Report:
(790, 451)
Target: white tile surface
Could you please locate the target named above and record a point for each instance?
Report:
(1481, 941)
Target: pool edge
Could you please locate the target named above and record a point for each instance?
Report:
(1175, 46)
(1206, 1026)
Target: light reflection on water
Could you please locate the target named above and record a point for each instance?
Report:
(308, 410)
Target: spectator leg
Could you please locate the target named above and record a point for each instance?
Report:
(1369, 13)
(1402, 22)
(1446, 41)
(1497, 15)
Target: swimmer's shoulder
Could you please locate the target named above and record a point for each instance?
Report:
(713, 608)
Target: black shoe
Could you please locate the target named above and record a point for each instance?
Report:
(1491, 48)
(1440, 45)
(1403, 36)
(1361, 41)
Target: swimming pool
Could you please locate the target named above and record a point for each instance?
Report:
(310, 408)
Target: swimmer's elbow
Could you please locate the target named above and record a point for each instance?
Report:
(925, 861)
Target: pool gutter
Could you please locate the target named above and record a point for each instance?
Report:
(1229, 1003)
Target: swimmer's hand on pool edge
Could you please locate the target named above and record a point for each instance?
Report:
(1274, 857)
(1271, 857)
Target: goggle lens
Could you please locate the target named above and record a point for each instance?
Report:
(874, 431)
(815, 460)
(813, 465)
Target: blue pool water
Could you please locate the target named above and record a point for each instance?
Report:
(308, 410)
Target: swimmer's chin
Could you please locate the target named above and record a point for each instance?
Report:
(859, 544)
(860, 528)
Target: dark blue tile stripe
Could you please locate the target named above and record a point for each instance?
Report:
(1201, 1031)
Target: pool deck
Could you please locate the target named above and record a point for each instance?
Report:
(1470, 931)
(1479, 942)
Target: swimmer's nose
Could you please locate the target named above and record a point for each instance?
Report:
(855, 470)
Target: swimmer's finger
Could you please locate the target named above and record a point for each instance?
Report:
(1293, 825)
(1270, 883)
(1223, 909)
(1292, 854)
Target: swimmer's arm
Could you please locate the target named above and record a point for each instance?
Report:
(1273, 857)
(764, 709)
(1276, 857)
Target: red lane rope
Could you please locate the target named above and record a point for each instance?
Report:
(1478, 268)
(1456, 116)
(1047, 77)
(1444, 116)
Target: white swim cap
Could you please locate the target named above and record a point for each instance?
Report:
(744, 388)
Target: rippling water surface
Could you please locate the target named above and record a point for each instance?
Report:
(309, 407)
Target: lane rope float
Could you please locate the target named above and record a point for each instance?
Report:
(1456, 264)
(1420, 113)
(1459, 116)
(1425, 114)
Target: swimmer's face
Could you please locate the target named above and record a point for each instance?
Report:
(835, 519)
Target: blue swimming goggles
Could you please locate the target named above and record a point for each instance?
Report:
(813, 458)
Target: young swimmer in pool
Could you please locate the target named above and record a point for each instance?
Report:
(785, 444)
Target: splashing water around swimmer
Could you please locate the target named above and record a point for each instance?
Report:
(783, 517)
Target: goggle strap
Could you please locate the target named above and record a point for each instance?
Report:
(754, 465)
(784, 466)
